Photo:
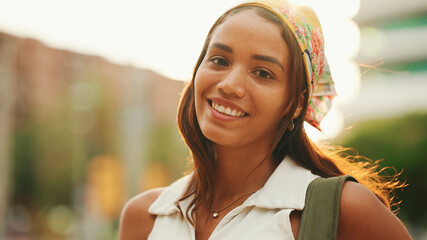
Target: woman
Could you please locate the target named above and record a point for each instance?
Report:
(261, 73)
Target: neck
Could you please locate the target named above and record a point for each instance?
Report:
(239, 170)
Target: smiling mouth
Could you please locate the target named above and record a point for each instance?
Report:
(226, 110)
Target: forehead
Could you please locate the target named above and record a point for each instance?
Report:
(248, 30)
(248, 20)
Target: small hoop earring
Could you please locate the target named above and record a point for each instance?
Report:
(291, 125)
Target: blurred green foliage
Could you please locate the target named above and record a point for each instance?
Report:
(400, 143)
(42, 165)
(168, 148)
(52, 146)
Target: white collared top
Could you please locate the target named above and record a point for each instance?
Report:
(264, 215)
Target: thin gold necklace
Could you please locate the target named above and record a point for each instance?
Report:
(215, 213)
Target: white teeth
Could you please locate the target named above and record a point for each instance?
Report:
(227, 111)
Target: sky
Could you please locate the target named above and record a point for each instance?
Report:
(167, 36)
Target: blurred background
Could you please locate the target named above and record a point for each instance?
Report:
(89, 91)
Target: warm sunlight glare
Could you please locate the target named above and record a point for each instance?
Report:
(342, 40)
(167, 36)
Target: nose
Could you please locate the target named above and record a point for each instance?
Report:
(234, 83)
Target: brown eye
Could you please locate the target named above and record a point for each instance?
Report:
(219, 61)
(263, 74)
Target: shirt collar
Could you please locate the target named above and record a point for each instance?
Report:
(286, 188)
(165, 203)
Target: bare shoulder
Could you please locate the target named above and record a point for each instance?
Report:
(364, 216)
(136, 222)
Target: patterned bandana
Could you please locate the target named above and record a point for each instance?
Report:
(305, 26)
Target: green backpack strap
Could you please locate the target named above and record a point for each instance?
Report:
(320, 215)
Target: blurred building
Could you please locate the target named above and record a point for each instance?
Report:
(388, 116)
(393, 59)
(70, 124)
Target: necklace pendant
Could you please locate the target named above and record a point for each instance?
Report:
(215, 214)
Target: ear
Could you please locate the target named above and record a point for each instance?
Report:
(300, 105)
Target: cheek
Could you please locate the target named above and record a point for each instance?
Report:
(198, 83)
(198, 88)
(201, 86)
(204, 80)
(275, 105)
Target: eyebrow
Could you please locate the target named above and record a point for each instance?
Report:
(222, 47)
(269, 59)
(256, 57)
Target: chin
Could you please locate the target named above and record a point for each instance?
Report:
(217, 137)
(224, 139)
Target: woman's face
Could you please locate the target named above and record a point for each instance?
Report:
(241, 84)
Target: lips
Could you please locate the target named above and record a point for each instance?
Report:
(225, 108)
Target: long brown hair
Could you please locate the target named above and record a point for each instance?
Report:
(325, 162)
